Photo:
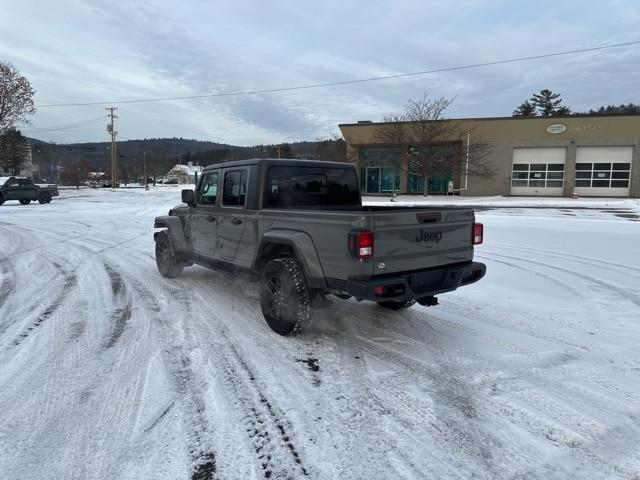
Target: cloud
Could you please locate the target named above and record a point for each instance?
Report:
(86, 50)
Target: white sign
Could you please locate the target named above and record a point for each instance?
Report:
(557, 128)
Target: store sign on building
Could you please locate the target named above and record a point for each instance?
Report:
(556, 128)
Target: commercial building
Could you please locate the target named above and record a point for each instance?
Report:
(547, 156)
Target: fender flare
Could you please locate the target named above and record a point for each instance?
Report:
(173, 225)
(305, 251)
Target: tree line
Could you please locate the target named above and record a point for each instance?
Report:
(333, 148)
(549, 104)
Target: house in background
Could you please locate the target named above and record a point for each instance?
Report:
(183, 174)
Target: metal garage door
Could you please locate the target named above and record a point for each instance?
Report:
(603, 171)
(538, 171)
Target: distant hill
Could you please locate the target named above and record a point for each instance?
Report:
(97, 153)
(173, 150)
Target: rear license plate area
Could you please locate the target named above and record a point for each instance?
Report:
(422, 282)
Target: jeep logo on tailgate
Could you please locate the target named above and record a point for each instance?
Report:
(428, 236)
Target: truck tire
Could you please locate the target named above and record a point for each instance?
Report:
(1, 199)
(25, 202)
(169, 265)
(284, 298)
(44, 198)
(392, 305)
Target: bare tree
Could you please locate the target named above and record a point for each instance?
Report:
(427, 140)
(14, 151)
(16, 97)
(74, 173)
(158, 164)
(132, 168)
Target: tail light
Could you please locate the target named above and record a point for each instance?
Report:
(477, 234)
(361, 244)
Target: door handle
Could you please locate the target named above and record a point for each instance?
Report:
(236, 221)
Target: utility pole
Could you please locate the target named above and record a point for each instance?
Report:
(144, 163)
(114, 159)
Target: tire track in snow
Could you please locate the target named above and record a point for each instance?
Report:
(633, 298)
(203, 458)
(453, 414)
(261, 416)
(555, 422)
(7, 286)
(70, 281)
(186, 384)
(565, 256)
(265, 424)
(122, 314)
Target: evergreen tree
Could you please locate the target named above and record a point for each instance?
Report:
(526, 109)
(13, 151)
(561, 112)
(546, 102)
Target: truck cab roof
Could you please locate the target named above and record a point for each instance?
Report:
(4, 180)
(278, 161)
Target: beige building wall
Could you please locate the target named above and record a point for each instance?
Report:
(505, 134)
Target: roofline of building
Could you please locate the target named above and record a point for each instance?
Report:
(481, 119)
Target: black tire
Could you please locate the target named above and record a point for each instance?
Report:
(169, 265)
(392, 305)
(44, 198)
(1, 199)
(25, 202)
(284, 298)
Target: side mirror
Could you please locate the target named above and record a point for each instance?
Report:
(188, 197)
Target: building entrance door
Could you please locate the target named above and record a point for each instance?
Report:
(373, 180)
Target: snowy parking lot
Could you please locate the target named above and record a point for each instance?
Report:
(108, 370)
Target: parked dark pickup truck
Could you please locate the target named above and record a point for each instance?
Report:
(24, 190)
(301, 227)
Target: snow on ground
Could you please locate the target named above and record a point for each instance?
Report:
(499, 201)
(108, 370)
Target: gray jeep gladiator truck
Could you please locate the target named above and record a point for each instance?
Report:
(24, 190)
(301, 229)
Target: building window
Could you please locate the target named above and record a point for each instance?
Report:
(603, 175)
(537, 175)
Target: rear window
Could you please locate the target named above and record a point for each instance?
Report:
(311, 187)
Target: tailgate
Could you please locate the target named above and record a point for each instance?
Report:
(417, 239)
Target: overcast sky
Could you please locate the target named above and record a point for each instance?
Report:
(95, 51)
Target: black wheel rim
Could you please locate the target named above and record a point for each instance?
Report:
(276, 303)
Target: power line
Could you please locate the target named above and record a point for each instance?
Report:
(355, 81)
(65, 126)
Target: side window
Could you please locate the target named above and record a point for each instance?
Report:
(235, 184)
(12, 182)
(208, 189)
(24, 181)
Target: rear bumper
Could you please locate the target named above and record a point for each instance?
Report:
(418, 284)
